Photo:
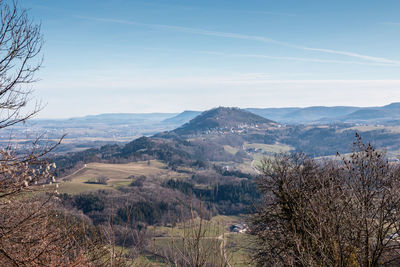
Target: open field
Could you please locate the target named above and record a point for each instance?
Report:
(230, 149)
(215, 227)
(237, 246)
(274, 148)
(260, 151)
(262, 148)
(217, 239)
(116, 175)
(246, 166)
(367, 128)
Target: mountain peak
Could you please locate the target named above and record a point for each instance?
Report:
(222, 118)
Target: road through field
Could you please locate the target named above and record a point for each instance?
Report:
(72, 174)
(223, 249)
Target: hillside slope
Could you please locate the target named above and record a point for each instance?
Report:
(222, 118)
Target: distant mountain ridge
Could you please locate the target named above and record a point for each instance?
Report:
(124, 117)
(388, 115)
(183, 117)
(95, 130)
(343, 114)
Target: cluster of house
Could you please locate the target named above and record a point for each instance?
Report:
(240, 228)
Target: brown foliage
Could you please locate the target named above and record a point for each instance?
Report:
(34, 229)
(194, 246)
(332, 213)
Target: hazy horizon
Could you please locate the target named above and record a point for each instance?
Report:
(199, 110)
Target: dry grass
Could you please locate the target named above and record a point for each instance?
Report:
(274, 148)
(230, 149)
(238, 245)
(368, 128)
(117, 175)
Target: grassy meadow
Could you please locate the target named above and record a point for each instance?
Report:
(116, 175)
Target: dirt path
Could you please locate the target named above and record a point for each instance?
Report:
(253, 167)
(223, 249)
(72, 174)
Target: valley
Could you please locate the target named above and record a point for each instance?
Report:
(207, 166)
(149, 176)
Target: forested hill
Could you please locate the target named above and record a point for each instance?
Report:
(223, 118)
(173, 151)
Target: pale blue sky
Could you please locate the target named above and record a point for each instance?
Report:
(168, 56)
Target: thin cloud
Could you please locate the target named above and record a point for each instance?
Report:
(391, 23)
(272, 13)
(300, 59)
(350, 54)
(246, 37)
(189, 30)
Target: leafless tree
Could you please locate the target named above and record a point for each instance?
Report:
(124, 244)
(333, 213)
(200, 243)
(34, 229)
(20, 47)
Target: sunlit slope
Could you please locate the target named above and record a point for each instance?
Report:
(115, 175)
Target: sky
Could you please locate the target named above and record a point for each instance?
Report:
(141, 56)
